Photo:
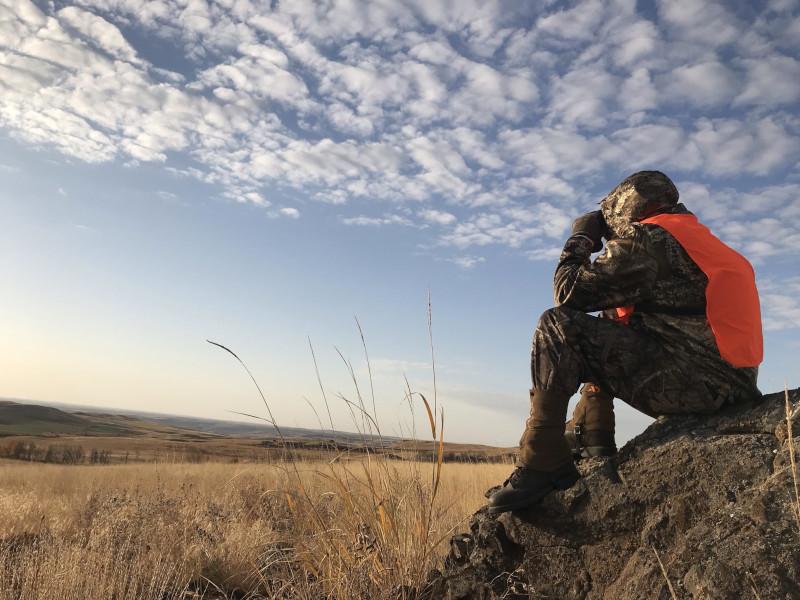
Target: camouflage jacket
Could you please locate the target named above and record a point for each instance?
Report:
(650, 270)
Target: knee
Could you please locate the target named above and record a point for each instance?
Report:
(553, 318)
(558, 326)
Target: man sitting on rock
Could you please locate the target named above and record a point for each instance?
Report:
(680, 332)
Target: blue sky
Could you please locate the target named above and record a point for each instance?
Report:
(259, 173)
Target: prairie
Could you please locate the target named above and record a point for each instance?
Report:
(369, 527)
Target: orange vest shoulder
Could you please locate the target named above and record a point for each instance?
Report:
(732, 305)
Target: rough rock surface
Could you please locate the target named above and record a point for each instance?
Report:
(711, 497)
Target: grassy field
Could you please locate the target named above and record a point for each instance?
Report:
(164, 510)
(364, 528)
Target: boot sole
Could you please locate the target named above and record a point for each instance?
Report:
(559, 484)
(595, 451)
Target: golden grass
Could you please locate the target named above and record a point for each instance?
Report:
(361, 529)
(791, 415)
(359, 526)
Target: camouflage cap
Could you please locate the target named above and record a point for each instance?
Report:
(637, 197)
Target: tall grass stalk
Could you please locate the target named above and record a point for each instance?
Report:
(369, 368)
(433, 368)
(319, 381)
(791, 414)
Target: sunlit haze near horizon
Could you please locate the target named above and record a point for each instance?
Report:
(260, 173)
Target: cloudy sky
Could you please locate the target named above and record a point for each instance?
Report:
(260, 172)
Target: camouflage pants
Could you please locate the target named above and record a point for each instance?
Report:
(571, 347)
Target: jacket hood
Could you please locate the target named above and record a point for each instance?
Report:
(639, 196)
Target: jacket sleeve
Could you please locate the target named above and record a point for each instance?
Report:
(621, 275)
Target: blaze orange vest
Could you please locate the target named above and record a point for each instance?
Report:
(732, 306)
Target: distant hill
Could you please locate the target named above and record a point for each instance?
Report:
(235, 428)
(129, 419)
(32, 419)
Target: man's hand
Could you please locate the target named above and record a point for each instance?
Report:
(593, 226)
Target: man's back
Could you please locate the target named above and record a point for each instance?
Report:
(675, 312)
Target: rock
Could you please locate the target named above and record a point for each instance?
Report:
(709, 496)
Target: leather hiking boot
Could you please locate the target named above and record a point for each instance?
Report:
(545, 462)
(590, 432)
(526, 487)
(543, 447)
(589, 444)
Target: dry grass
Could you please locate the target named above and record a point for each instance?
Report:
(358, 526)
(666, 576)
(361, 529)
(791, 414)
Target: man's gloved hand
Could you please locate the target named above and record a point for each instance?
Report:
(593, 226)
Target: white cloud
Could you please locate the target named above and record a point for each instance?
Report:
(474, 145)
(365, 221)
(513, 113)
(260, 73)
(544, 186)
(704, 84)
(439, 217)
(732, 146)
(635, 42)
(706, 23)
(511, 226)
(554, 150)
(638, 92)
(290, 212)
(772, 80)
(760, 223)
(466, 262)
(780, 303)
(243, 197)
(544, 254)
(647, 145)
(582, 96)
(577, 23)
(168, 196)
(99, 32)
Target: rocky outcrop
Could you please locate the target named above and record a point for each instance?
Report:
(702, 504)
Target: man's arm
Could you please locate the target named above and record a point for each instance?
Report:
(621, 276)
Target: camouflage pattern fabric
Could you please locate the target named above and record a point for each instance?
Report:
(666, 360)
(639, 196)
(571, 347)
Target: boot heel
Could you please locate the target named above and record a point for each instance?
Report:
(597, 451)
